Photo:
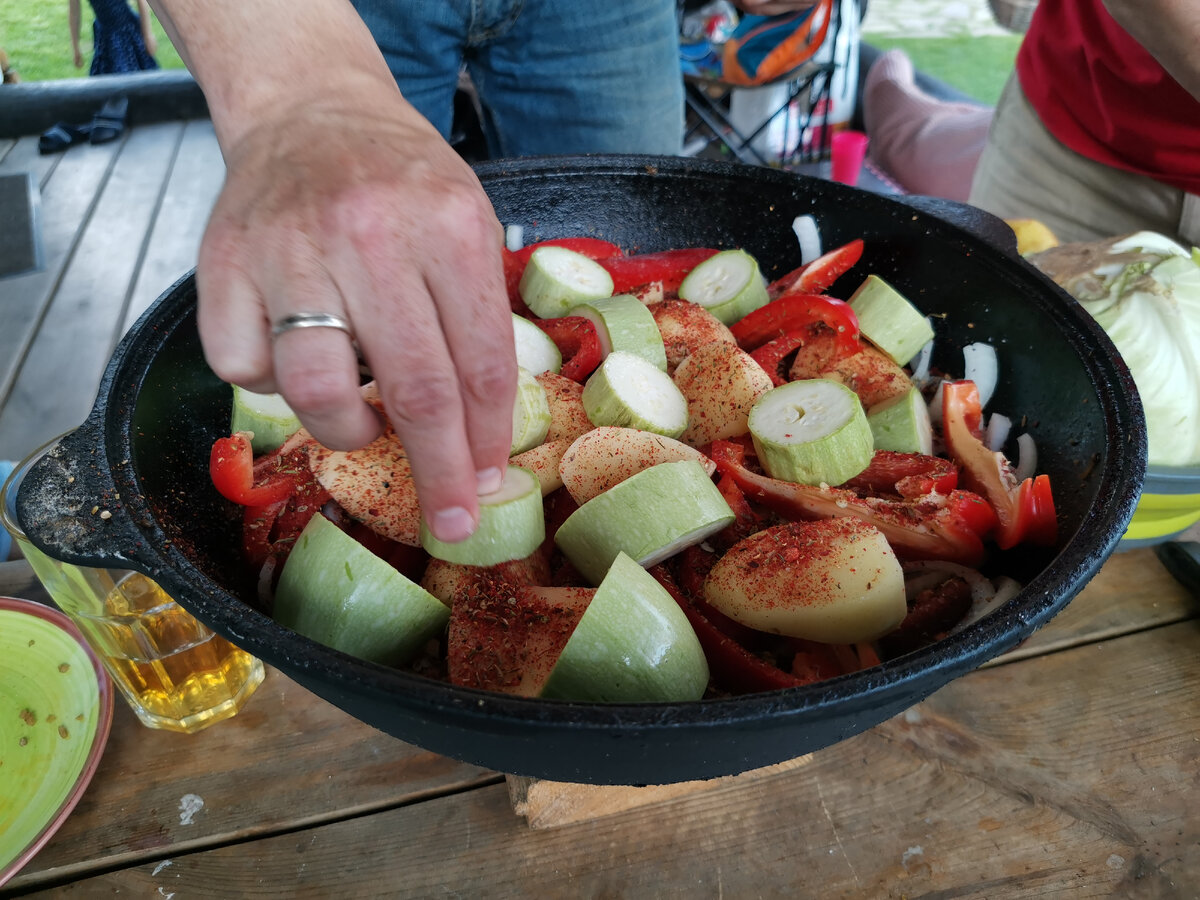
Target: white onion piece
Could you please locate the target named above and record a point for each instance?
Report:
(1006, 588)
(514, 237)
(998, 427)
(980, 366)
(265, 585)
(935, 406)
(1026, 457)
(920, 365)
(809, 238)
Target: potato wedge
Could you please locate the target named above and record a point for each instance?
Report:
(870, 373)
(721, 383)
(830, 580)
(568, 418)
(686, 327)
(543, 461)
(608, 455)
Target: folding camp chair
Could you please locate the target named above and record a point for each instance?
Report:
(793, 128)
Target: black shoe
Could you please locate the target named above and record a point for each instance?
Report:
(108, 124)
(62, 135)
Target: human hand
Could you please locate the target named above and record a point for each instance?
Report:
(78, 58)
(773, 7)
(151, 43)
(351, 204)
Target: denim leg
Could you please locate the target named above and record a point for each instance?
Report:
(564, 76)
(423, 42)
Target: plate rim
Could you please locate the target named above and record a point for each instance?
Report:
(56, 618)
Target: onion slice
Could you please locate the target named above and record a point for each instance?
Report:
(935, 406)
(920, 365)
(998, 428)
(981, 366)
(805, 228)
(1026, 458)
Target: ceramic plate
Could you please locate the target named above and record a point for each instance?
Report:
(55, 712)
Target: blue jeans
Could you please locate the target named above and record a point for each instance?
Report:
(553, 76)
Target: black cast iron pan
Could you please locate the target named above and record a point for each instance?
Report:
(142, 455)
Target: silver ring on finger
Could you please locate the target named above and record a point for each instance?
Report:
(310, 320)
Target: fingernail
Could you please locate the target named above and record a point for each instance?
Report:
(488, 481)
(452, 524)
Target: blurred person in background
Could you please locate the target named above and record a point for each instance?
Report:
(1095, 134)
(122, 40)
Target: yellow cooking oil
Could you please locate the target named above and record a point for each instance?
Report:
(177, 674)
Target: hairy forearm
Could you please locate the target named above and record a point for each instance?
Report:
(254, 57)
(1169, 29)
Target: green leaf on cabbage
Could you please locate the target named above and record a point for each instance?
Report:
(1144, 291)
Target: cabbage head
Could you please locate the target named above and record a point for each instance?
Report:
(1144, 291)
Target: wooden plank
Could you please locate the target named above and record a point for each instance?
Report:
(69, 190)
(551, 804)
(287, 760)
(1013, 782)
(24, 157)
(195, 181)
(77, 334)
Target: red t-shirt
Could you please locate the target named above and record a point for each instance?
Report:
(1102, 94)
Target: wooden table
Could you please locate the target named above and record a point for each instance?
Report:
(1067, 767)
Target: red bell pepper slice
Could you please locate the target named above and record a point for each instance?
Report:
(947, 527)
(907, 474)
(592, 248)
(818, 275)
(232, 470)
(795, 312)
(577, 341)
(669, 266)
(1025, 511)
(772, 354)
(514, 268)
(732, 665)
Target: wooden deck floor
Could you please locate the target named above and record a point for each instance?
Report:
(119, 223)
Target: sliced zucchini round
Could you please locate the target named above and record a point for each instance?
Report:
(811, 432)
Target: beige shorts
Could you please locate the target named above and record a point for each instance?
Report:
(1025, 173)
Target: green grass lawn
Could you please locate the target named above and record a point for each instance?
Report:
(977, 66)
(37, 39)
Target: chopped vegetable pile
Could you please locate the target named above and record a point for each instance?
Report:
(718, 485)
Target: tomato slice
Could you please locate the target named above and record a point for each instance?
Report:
(949, 527)
(577, 341)
(795, 312)
(668, 266)
(820, 274)
(1025, 512)
(232, 470)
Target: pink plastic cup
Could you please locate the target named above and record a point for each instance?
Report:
(849, 149)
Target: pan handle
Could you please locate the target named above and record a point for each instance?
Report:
(70, 507)
(983, 225)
